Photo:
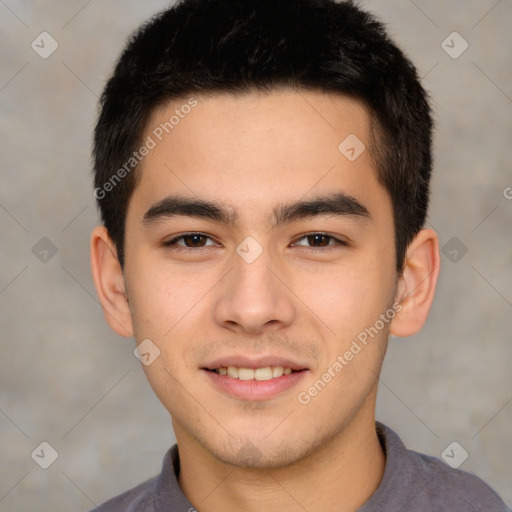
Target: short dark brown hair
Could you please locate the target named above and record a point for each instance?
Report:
(208, 46)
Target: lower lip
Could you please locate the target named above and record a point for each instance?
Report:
(254, 389)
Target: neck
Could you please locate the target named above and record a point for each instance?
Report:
(340, 476)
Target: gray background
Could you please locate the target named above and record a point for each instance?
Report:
(68, 380)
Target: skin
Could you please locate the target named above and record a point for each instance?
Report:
(251, 153)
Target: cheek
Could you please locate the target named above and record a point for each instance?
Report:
(170, 308)
(346, 297)
(161, 297)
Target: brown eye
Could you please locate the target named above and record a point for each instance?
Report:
(189, 241)
(319, 240)
(194, 240)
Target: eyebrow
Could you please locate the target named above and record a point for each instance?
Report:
(338, 204)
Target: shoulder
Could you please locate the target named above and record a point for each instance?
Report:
(449, 488)
(161, 492)
(415, 481)
(138, 499)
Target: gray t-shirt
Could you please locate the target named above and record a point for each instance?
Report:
(411, 482)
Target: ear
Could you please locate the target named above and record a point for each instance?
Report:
(417, 283)
(109, 281)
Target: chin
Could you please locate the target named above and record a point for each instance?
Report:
(259, 453)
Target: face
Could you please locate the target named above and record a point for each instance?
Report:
(255, 246)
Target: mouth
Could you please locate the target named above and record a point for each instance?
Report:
(254, 380)
(260, 374)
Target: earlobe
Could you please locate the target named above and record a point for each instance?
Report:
(109, 281)
(416, 285)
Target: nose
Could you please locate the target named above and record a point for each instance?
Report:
(254, 297)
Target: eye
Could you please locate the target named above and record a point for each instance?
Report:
(197, 241)
(320, 240)
(189, 241)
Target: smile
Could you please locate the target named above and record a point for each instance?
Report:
(263, 373)
(254, 384)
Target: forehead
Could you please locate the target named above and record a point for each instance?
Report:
(252, 150)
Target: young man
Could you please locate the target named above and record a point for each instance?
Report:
(262, 171)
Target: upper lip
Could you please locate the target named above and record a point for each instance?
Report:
(243, 361)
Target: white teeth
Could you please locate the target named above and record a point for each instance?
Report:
(245, 373)
(277, 371)
(232, 372)
(264, 373)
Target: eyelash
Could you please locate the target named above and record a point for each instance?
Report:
(173, 243)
